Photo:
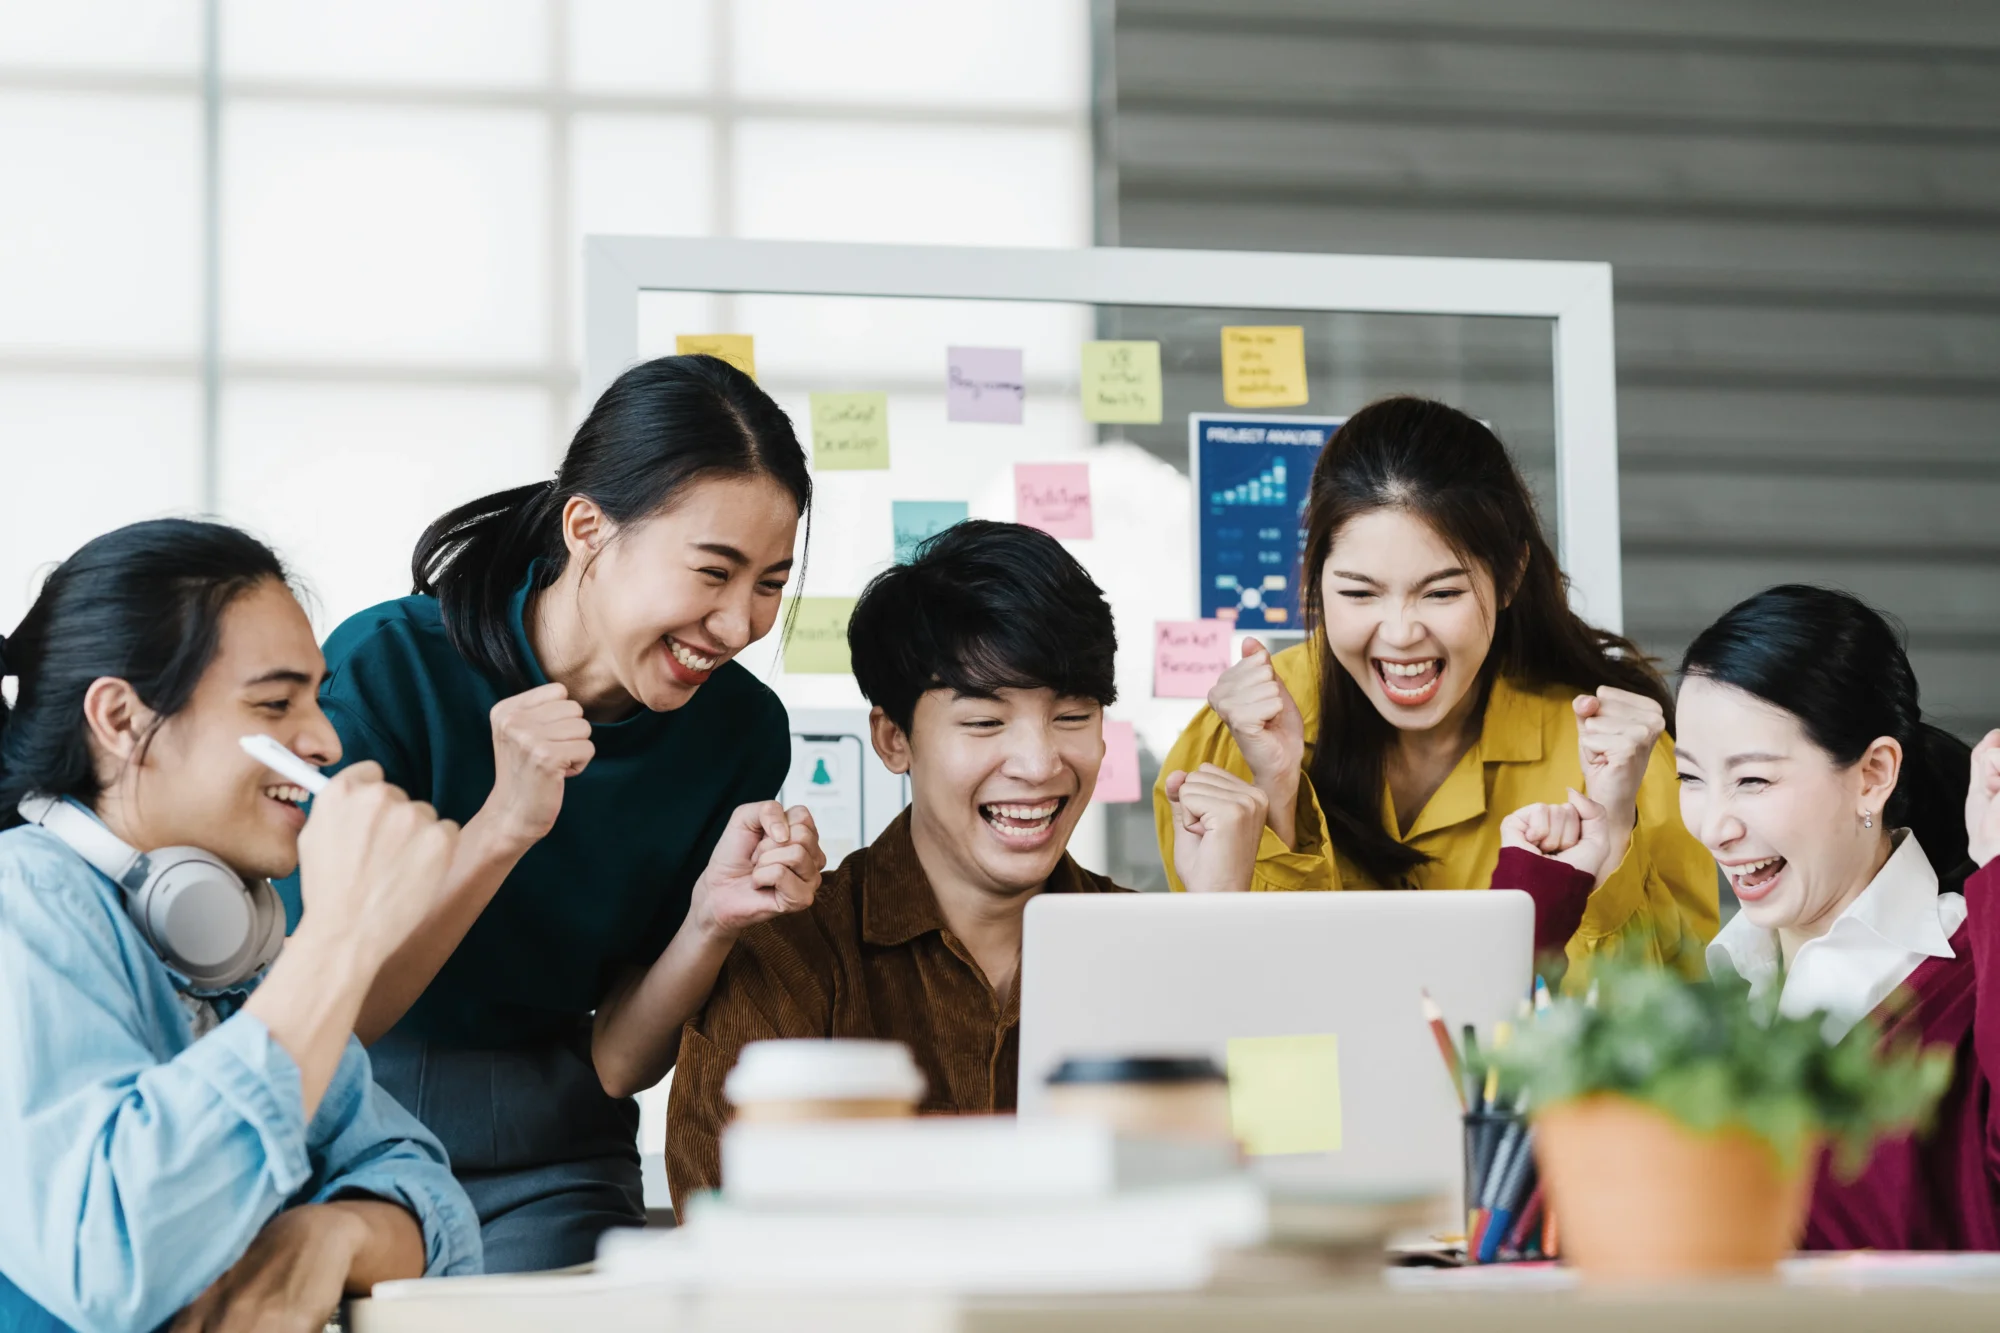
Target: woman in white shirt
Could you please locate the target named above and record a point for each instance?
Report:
(1845, 825)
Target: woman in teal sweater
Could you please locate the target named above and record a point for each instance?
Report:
(562, 685)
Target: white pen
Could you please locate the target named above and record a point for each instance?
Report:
(267, 751)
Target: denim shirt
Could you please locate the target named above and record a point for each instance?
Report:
(138, 1160)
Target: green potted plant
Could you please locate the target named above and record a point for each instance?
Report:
(1679, 1125)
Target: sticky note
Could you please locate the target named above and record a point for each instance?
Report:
(816, 644)
(1121, 382)
(738, 349)
(1284, 1093)
(1187, 657)
(915, 520)
(1054, 497)
(984, 384)
(1264, 365)
(1118, 778)
(850, 431)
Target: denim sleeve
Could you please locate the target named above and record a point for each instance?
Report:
(129, 1183)
(365, 1144)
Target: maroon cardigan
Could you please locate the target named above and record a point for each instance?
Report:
(1938, 1191)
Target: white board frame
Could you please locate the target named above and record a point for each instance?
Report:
(1575, 296)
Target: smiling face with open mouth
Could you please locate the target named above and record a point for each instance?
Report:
(997, 783)
(1775, 810)
(1409, 619)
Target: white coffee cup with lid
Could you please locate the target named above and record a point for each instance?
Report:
(824, 1079)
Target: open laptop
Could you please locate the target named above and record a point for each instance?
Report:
(1173, 974)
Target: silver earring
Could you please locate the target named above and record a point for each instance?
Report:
(1867, 819)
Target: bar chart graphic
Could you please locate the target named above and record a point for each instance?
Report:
(1251, 475)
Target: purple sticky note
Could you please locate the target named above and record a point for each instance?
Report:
(1118, 778)
(984, 384)
(1054, 497)
(1187, 657)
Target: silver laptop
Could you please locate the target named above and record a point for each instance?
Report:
(1169, 974)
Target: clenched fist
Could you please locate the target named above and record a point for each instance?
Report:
(1982, 801)
(372, 861)
(1218, 824)
(540, 741)
(1577, 834)
(767, 863)
(1616, 731)
(1264, 720)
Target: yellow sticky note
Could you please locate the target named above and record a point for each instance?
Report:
(738, 349)
(850, 431)
(1121, 382)
(817, 642)
(1264, 365)
(1284, 1093)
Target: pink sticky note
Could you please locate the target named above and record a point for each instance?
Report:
(1187, 657)
(1054, 497)
(984, 384)
(1118, 779)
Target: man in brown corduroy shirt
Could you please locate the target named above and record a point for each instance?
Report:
(988, 660)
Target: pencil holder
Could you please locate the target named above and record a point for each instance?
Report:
(1502, 1201)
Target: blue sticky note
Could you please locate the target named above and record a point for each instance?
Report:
(918, 519)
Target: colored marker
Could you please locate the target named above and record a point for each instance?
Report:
(268, 751)
(1435, 1017)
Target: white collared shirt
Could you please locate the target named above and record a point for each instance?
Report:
(1899, 920)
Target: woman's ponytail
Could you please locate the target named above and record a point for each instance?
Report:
(1838, 666)
(661, 426)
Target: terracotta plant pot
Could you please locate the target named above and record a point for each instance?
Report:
(1641, 1197)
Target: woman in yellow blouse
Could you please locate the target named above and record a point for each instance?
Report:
(1445, 682)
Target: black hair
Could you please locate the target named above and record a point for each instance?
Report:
(144, 604)
(661, 426)
(1451, 471)
(982, 607)
(1838, 666)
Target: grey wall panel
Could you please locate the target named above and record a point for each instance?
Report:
(1801, 202)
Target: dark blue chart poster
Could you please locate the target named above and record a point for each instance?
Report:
(1250, 475)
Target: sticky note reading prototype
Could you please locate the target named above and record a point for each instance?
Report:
(817, 642)
(738, 349)
(1284, 1093)
(850, 432)
(1121, 383)
(1264, 365)
(1054, 497)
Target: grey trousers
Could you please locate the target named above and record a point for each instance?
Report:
(551, 1162)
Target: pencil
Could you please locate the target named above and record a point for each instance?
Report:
(1473, 1079)
(1531, 1219)
(1507, 1197)
(1435, 1017)
(1502, 1034)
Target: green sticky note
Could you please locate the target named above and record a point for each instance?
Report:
(817, 642)
(1284, 1093)
(916, 520)
(850, 431)
(1121, 382)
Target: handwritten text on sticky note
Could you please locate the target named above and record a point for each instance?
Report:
(1187, 657)
(1118, 778)
(916, 520)
(1121, 382)
(984, 384)
(1284, 1093)
(1264, 365)
(850, 431)
(738, 349)
(817, 643)
(1054, 497)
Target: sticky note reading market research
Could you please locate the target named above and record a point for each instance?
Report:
(817, 642)
(850, 432)
(1054, 497)
(738, 349)
(1264, 365)
(984, 384)
(1284, 1093)
(1121, 383)
(1187, 657)
(1118, 776)
(916, 520)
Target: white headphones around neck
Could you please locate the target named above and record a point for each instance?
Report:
(198, 915)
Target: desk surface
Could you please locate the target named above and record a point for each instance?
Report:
(1361, 1306)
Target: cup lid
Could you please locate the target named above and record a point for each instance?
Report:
(817, 1069)
(1136, 1069)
